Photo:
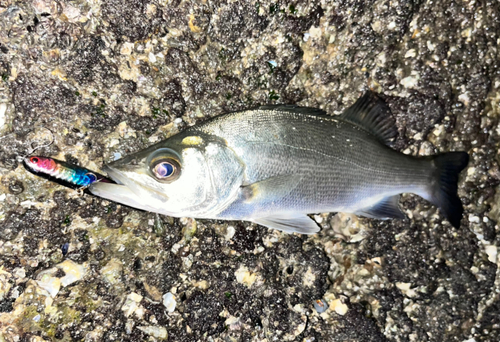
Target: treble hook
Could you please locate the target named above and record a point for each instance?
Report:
(33, 148)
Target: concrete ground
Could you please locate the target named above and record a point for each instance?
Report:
(109, 78)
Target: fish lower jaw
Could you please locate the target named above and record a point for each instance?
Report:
(113, 174)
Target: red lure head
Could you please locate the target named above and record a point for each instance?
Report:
(40, 164)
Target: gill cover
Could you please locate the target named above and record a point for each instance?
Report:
(176, 180)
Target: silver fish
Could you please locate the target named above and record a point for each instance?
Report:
(275, 164)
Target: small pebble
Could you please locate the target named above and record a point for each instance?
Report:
(3, 109)
(320, 305)
(154, 331)
(73, 272)
(16, 187)
(112, 271)
(5, 283)
(132, 305)
(49, 283)
(339, 307)
(152, 57)
(64, 249)
(158, 226)
(169, 301)
(492, 252)
(410, 81)
(245, 277)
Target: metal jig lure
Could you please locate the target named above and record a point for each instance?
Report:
(66, 174)
(61, 172)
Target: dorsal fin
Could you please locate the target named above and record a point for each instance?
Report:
(295, 109)
(370, 113)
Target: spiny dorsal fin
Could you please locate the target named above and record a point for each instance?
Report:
(295, 109)
(371, 113)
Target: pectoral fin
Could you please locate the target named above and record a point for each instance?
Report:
(269, 190)
(301, 224)
(385, 209)
(267, 194)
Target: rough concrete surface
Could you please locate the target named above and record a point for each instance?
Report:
(111, 77)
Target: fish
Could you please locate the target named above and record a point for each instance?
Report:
(64, 173)
(276, 164)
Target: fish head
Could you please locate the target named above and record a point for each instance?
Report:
(190, 176)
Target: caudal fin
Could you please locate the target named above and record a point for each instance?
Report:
(444, 193)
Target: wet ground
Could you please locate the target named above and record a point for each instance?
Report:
(111, 77)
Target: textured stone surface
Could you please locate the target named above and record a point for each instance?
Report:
(108, 78)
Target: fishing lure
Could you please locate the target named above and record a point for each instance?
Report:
(61, 172)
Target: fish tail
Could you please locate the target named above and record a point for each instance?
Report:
(445, 184)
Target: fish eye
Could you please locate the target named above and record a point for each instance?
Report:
(34, 160)
(165, 169)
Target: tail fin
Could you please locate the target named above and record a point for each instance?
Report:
(444, 193)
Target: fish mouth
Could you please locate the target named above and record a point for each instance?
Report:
(116, 192)
(128, 192)
(122, 180)
(116, 176)
(138, 188)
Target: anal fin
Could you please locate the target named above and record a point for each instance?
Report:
(301, 224)
(387, 208)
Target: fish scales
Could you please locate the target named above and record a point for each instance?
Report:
(336, 160)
